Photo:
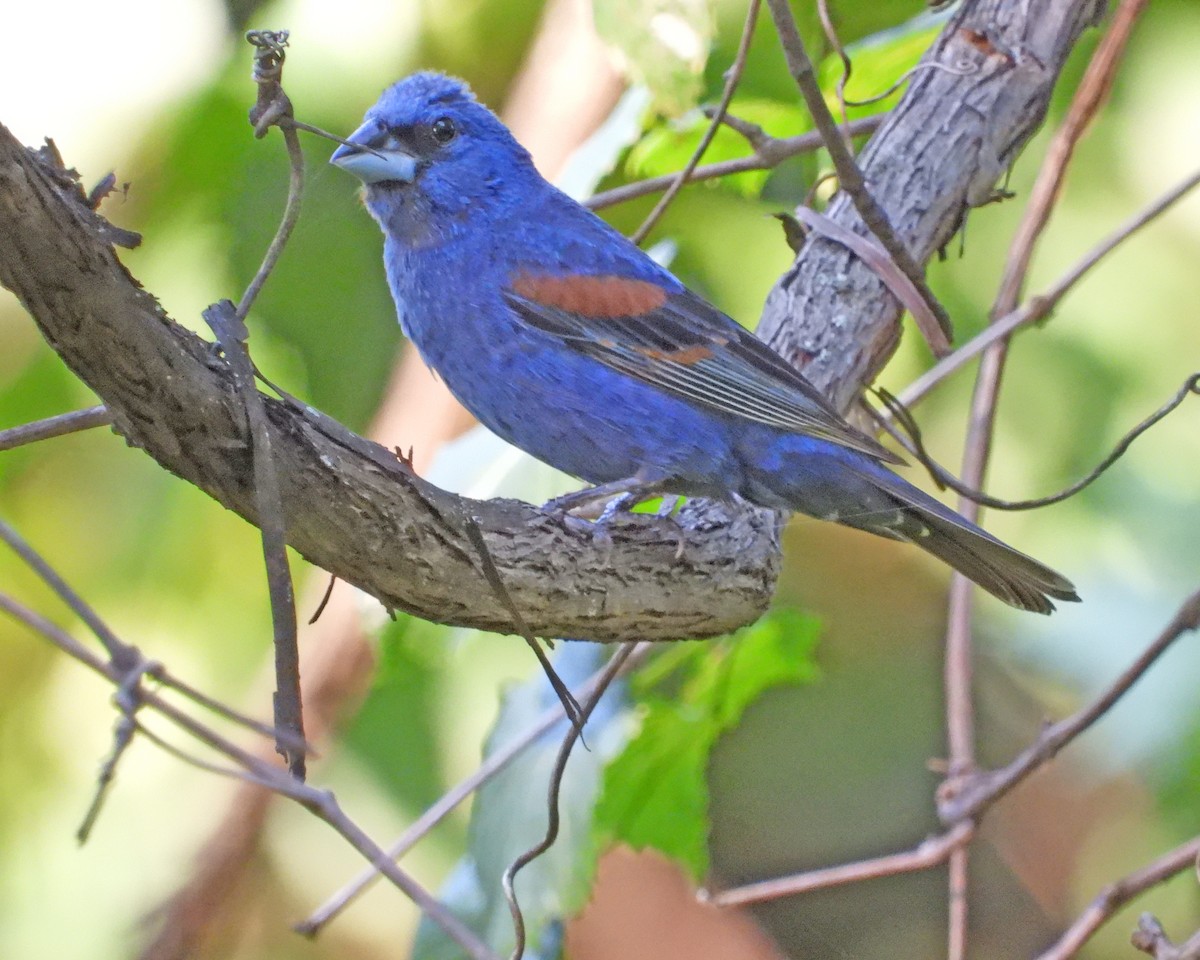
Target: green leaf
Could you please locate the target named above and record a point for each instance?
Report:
(662, 44)
(667, 147)
(655, 794)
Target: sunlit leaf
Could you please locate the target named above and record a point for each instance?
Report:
(662, 44)
(667, 147)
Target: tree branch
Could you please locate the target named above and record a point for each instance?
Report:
(354, 510)
(351, 507)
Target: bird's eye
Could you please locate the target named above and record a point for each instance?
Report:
(443, 130)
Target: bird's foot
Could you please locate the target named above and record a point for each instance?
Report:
(605, 501)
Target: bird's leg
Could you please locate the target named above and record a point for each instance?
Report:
(616, 495)
(669, 502)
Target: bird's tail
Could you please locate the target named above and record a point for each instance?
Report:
(1014, 577)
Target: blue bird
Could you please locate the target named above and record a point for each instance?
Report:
(568, 341)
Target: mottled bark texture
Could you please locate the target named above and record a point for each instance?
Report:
(356, 511)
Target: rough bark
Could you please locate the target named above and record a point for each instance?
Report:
(356, 511)
(940, 152)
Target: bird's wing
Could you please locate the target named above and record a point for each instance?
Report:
(681, 344)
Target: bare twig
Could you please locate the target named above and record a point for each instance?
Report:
(274, 109)
(231, 333)
(1151, 938)
(496, 582)
(229, 326)
(57, 426)
(849, 175)
(980, 790)
(732, 77)
(319, 802)
(872, 254)
(126, 659)
(769, 152)
(930, 853)
(835, 42)
(1038, 308)
(122, 656)
(1117, 894)
(962, 811)
(492, 765)
(614, 666)
(1093, 89)
(958, 668)
(915, 445)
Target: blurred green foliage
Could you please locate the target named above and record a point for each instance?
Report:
(655, 794)
(827, 771)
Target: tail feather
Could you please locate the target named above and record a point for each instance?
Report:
(849, 487)
(1008, 574)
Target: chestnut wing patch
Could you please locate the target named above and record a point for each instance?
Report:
(684, 346)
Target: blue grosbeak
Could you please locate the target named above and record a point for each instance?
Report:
(568, 341)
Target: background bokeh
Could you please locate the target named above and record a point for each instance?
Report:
(833, 770)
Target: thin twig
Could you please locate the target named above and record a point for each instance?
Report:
(126, 658)
(929, 853)
(1117, 894)
(835, 42)
(319, 802)
(496, 582)
(611, 669)
(493, 764)
(1038, 308)
(961, 812)
(123, 656)
(958, 670)
(982, 789)
(768, 154)
(57, 426)
(915, 445)
(231, 333)
(849, 175)
(1151, 938)
(229, 325)
(875, 257)
(732, 77)
(1089, 97)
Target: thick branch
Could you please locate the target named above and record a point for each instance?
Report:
(353, 508)
(939, 153)
(356, 511)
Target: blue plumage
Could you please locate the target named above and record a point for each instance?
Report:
(569, 342)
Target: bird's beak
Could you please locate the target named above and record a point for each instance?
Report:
(373, 163)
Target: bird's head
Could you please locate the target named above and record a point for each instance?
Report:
(429, 154)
